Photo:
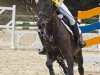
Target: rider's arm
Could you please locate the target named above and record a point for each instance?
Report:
(58, 2)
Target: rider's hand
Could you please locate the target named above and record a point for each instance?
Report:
(57, 2)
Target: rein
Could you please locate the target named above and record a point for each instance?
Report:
(29, 9)
(54, 37)
(50, 38)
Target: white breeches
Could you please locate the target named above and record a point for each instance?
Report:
(64, 10)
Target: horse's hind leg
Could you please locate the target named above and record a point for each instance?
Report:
(49, 64)
(62, 64)
(79, 58)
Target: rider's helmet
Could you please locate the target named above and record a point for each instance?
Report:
(57, 2)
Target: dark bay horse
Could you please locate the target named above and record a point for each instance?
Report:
(57, 40)
(58, 35)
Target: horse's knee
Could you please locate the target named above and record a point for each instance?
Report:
(49, 63)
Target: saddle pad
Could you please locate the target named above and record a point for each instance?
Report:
(60, 17)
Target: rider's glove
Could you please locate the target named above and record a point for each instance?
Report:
(57, 2)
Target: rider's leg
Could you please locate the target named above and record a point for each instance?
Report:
(74, 25)
(64, 10)
(78, 35)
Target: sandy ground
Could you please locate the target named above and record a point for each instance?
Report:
(29, 62)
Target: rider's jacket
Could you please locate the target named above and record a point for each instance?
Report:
(57, 2)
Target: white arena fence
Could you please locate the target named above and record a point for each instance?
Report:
(10, 26)
(23, 33)
(18, 30)
(28, 30)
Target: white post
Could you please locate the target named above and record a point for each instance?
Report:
(99, 35)
(13, 26)
(10, 26)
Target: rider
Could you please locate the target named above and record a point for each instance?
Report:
(74, 25)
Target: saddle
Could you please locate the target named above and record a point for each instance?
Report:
(65, 21)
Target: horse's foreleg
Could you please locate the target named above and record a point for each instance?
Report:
(80, 62)
(49, 64)
(62, 64)
(69, 59)
(68, 55)
(70, 63)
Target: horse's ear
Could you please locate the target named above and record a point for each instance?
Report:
(36, 1)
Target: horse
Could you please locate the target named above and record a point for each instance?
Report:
(57, 40)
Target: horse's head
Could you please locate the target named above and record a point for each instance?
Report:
(46, 10)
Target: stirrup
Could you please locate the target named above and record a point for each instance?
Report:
(81, 43)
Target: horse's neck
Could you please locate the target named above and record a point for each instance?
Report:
(53, 25)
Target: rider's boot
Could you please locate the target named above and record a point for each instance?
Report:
(78, 36)
(42, 51)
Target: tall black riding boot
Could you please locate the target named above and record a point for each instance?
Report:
(78, 36)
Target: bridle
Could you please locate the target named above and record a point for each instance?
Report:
(28, 7)
(50, 38)
(44, 31)
(41, 13)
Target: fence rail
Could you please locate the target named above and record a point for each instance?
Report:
(91, 27)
